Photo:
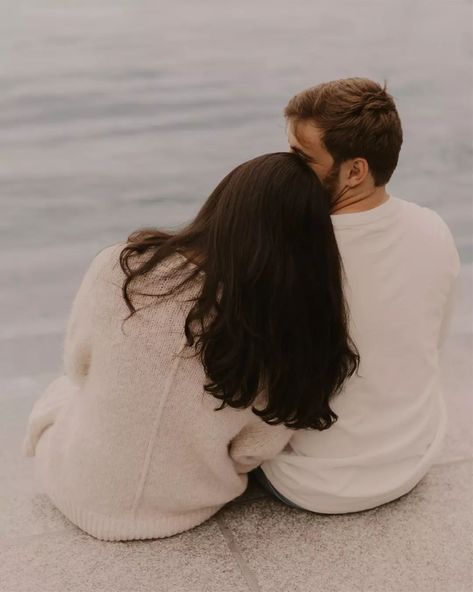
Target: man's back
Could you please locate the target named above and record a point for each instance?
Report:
(400, 263)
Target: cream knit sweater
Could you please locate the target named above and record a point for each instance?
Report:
(127, 442)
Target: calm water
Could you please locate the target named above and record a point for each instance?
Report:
(119, 114)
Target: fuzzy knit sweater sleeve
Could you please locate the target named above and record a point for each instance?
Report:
(127, 443)
(77, 352)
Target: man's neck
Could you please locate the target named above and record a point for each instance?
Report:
(360, 201)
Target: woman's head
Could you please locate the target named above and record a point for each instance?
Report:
(272, 288)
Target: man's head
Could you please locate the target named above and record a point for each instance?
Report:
(349, 132)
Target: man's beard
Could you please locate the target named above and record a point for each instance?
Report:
(331, 184)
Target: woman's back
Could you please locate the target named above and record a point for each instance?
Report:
(135, 449)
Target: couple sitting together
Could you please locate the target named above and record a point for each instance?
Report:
(291, 331)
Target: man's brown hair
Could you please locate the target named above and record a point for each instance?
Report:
(358, 118)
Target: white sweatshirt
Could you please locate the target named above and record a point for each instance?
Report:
(400, 262)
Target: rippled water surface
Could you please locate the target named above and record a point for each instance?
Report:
(118, 114)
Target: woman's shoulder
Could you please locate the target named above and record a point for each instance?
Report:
(108, 259)
(108, 268)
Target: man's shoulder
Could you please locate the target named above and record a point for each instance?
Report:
(423, 218)
(428, 227)
(420, 212)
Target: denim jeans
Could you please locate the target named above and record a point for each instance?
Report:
(261, 478)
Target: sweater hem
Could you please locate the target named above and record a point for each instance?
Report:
(110, 528)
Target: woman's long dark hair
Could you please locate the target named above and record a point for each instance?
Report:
(272, 284)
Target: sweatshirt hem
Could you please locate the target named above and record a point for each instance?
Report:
(333, 506)
(325, 503)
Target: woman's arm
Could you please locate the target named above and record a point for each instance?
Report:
(76, 355)
(257, 442)
(77, 345)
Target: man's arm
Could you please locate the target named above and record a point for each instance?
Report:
(447, 318)
(454, 267)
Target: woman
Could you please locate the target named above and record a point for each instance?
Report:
(241, 338)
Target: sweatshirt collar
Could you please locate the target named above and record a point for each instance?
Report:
(356, 218)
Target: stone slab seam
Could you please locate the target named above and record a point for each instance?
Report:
(246, 572)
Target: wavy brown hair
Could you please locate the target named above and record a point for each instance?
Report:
(272, 289)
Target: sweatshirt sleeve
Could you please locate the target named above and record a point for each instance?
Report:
(447, 318)
(77, 347)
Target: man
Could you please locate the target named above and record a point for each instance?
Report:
(400, 264)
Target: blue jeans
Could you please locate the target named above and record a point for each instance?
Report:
(261, 478)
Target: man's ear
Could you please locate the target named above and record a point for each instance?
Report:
(356, 171)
